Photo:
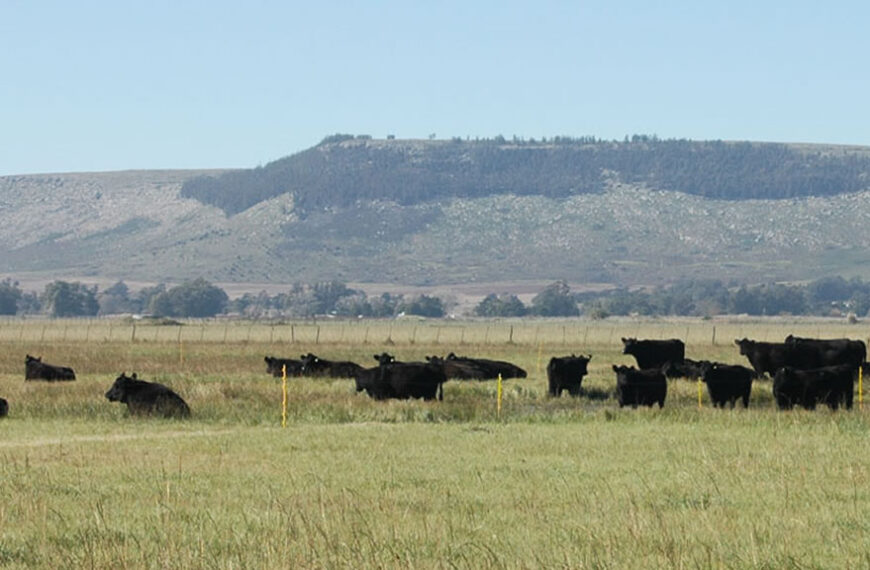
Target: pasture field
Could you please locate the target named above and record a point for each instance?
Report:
(353, 483)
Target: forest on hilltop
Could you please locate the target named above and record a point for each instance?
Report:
(344, 169)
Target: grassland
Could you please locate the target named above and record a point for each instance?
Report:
(352, 483)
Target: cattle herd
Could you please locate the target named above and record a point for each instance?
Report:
(805, 372)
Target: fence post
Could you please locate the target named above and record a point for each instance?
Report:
(284, 398)
(498, 398)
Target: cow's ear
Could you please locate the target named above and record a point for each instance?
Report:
(133, 376)
(615, 369)
(589, 357)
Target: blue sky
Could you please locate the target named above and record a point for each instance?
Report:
(93, 85)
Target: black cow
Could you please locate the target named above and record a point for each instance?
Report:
(640, 387)
(490, 368)
(403, 380)
(314, 366)
(461, 369)
(147, 398)
(727, 383)
(566, 373)
(4, 408)
(766, 356)
(831, 385)
(688, 368)
(274, 366)
(816, 353)
(654, 353)
(36, 369)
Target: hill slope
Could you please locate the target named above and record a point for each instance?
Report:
(142, 226)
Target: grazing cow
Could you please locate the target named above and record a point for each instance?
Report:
(654, 353)
(490, 368)
(566, 373)
(640, 387)
(147, 398)
(403, 380)
(766, 356)
(4, 408)
(816, 353)
(726, 383)
(315, 366)
(831, 385)
(36, 369)
(274, 366)
(688, 368)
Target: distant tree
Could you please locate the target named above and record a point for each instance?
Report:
(424, 306)
(197, 298)
(63, 299)
(555, 301)
(500, 306)
(115, 299)
(10, 294)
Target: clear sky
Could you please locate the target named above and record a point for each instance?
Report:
(112, 85)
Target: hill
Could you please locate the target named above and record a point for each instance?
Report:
(385, 211)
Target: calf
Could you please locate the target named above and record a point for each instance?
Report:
(403, 380)
(147, 398)
(566, 373)
(4, 408)
(275, 366)
(315, 366)
(640, 387)
(831, 385)
(727, 383)
(36, 369)
(766, 356)
(654, 353)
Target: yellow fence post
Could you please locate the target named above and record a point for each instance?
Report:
(861, 387)
(699, 394)
(498, 398)
(284, 396)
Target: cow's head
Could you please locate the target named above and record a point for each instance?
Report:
(384, 358)
(28, 359)
(118, 391)
(628, 345)
(745, 345)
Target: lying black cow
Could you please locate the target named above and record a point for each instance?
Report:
(566, 373)
(314, 366)
(490, 368)
(831, 385)
(816, 353)
(654, 353)
(403, 380)
(4, 408)
(766, 356)
(147, 398)
(640, 387)
(727, 383)
(36, 369)
(462, 369)
(274, 366)
(688, 368)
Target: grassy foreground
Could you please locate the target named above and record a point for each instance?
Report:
(351, 483)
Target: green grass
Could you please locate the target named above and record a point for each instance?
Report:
(353, 483)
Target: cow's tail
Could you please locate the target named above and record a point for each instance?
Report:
(440, 391)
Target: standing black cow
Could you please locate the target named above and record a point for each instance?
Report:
(275, 366)
(831, 385)
(4, 408)
(491, 368)
(654, 353)
(315, 366)
(566, 373)
(816, 353)
(640, 387)
(727, 383)
(766, 356)
(403, 380)
(147, 398)
(36, 369)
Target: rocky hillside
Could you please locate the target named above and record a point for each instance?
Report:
(139, 227)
